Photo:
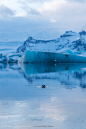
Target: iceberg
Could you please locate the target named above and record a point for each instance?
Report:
(13, 57)
(67, 48)
(3, 59)
(68, 42)
(10, 58)
(50, 57)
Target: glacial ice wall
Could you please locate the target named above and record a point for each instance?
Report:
(70, 42)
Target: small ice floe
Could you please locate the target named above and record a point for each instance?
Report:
(13, 57)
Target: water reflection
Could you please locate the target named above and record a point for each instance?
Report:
(69, 75)
(9, 66)
(42, 96)
(48, 68)
(81, 76)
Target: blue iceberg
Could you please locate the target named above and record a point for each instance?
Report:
(50, 57)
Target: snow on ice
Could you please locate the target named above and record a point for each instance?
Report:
(69, 47)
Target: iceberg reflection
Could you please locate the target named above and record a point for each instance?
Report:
(39, 68)
(69, 75)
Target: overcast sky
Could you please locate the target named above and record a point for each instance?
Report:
(52, 10)
(64, 13)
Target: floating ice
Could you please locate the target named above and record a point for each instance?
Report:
(13, 58)
(2, 59)
(66, 48)
(49, 57)
(68, 42)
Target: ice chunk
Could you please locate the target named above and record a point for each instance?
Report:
(49, 57)
(68, 33)
(13, 57)
(82, 33)
(2, 59)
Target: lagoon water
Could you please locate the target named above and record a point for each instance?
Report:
(25, 103)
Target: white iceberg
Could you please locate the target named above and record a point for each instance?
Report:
(69, 42)
(50, 57)
(13, 57)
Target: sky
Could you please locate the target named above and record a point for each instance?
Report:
(65, 14)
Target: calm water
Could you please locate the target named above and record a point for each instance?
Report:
(60, 104)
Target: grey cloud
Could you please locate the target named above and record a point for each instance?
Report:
(41, 1)
(77, 0)
(5, 11)
(38, 0)
(33, 12)
(33, 1)
(28, 9)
